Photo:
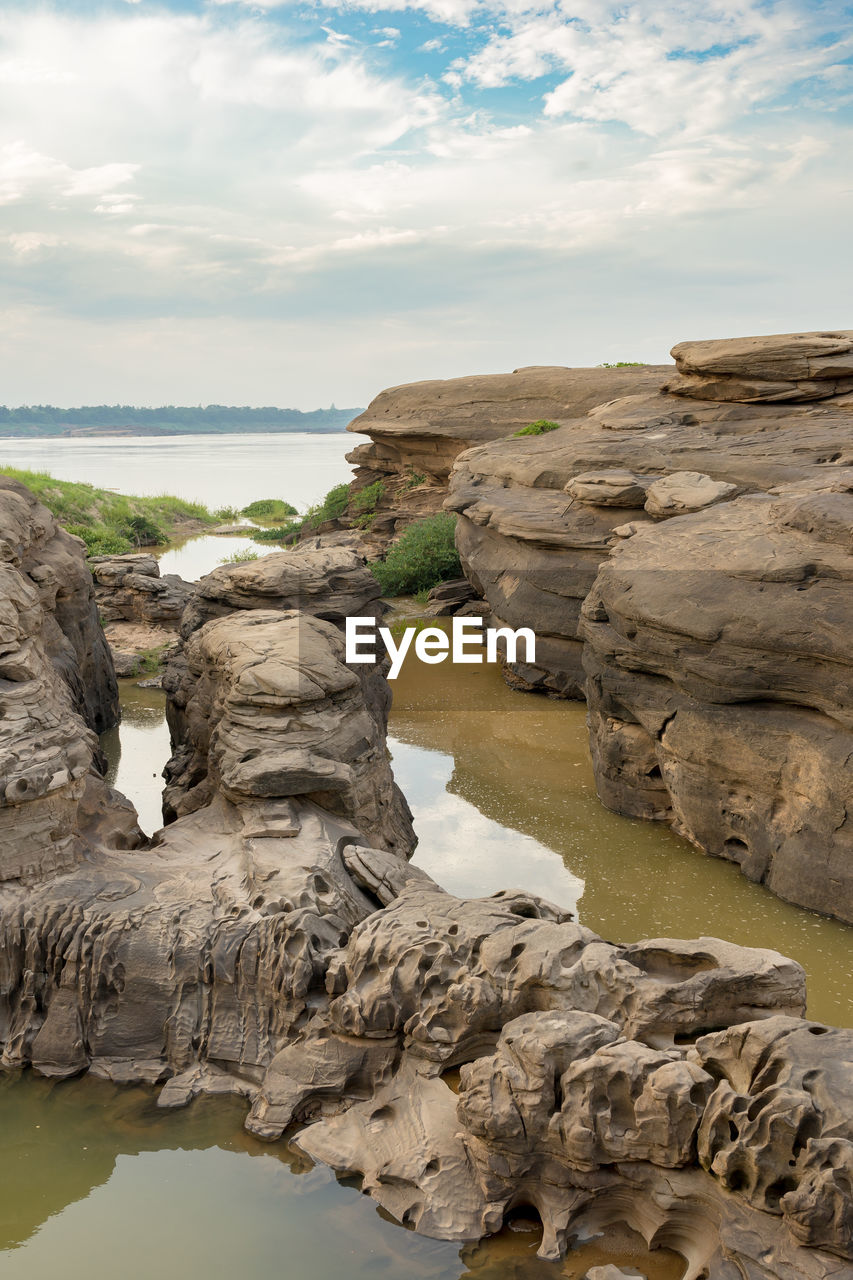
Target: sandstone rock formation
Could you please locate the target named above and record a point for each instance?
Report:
(538, 516)
(330, 582)
(260, 945)
(732, 610)
(50, 646)
(129, 588)
(584, 1089)
(721, 684)
(418, 430)
(777, 367)
(52, 563)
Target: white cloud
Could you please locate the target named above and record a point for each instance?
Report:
(156, 164)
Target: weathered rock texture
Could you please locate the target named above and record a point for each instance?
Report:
(418, 430)
(259, 945)
(51, 564)
(329, 582)
(129, 588)
(778, 367)
(586, 1088)
(721, 685)
(50, 644)
(538, 516)
(714, 649)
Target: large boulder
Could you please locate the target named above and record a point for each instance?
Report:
(774, 367)
(720, 685)
(129, 588)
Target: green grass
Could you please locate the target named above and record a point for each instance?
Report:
(538, 428)
(240, 557)
(110, 523)
(268, 509)
(424, 555)
(276, 532)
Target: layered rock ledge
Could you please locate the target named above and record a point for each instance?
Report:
(418, 430)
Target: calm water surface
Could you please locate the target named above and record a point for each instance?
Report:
(96, 1182)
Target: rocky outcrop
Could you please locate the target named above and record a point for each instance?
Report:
(721, 684)
(129, 588)
(586, 1085)
(706, 543)
(418, 430)
(52, 562)
(50, 641)
(202, 953)
(264, 708)
(260, 945)
(539, 516)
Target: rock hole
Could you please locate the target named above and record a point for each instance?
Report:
(654, 774)
(523, 1218)
(778, 1189)
(818, 1031)
(526, 912)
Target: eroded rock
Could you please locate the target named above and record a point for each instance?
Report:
(721, 687)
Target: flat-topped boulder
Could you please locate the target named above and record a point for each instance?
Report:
(774, 367)
(330, 582)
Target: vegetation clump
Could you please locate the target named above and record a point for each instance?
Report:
(413, 478)
(269, 509)
(538, 428)
(624, 364)
(276, 532)
(111, 523)
(241, 557)
(424, 555)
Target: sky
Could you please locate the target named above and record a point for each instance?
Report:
(218, 201)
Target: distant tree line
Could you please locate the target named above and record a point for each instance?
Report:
(47, 419)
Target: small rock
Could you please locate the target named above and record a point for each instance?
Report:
(683, 491)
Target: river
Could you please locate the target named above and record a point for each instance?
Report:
(95, 1181)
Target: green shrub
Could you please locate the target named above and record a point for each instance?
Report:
(366, 500)
(413, 479)
(424, 555)
(223, 514)
(624, 364)
(538, 428)
(101, 541)
(145, 532)
(269, 508)
(332, 507)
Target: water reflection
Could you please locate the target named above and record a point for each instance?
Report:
(522, 764)
(137, 750)
(95, 1182)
